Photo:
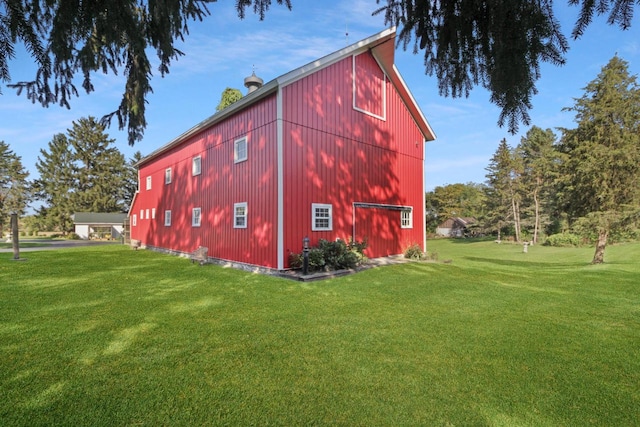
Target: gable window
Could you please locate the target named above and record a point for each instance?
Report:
(321, 217)
(240, 150)
(406, 218)
(167, 176)
(196, 217)
(196, 166)
(240, 215)
(134, 220)
(167, 218)
(148, 183)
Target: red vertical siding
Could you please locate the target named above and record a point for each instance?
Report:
(221, 184)
(338, 155)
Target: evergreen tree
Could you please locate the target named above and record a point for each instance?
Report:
(80, 172)
(600, 174)
(131, 180)
(14, 185)
(494, 43)
(503, 189)
(98, 169)
(539, 156)
(56, 186)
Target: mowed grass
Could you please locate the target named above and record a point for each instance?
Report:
(110, 336)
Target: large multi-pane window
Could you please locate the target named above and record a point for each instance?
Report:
(321, 217)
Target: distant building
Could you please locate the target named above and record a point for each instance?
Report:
(90, 225)
(333, 149)
(455, 227)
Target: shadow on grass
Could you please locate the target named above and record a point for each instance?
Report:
(466, 240)
(516, 263)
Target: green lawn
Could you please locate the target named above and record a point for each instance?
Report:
(110, 336)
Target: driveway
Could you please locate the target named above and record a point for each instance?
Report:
(49, 245)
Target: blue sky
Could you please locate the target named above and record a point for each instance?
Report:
(222, 51)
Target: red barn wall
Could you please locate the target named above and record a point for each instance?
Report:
(338, 155)
(220, 184)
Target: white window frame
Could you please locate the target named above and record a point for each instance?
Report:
(167, 176)
(382, 117)
(236, 217)
(153, 213)
(141, 213)
(167, 218)
(317, 208)
(406, 218)
(134, 220)
(146, 214)
(196, 217)
(238, 156)
(149, 182)
(196, 166)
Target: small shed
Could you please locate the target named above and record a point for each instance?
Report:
(455, 227)
(93, 225)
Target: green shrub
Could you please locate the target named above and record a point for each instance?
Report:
(331, 255)
(563, 240)
(73, 236)
(414, 252)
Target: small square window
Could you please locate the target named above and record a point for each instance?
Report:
(134, 220)
(240, 215)
(167, 176)
(196, 217)
(322, 217)
(406, 218)
(167, 218)
(240, 150)
(196, 166)
(148, 183)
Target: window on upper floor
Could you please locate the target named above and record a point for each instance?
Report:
(153, 213)
(196, 167)
(149, 183)
(196, 218)
(134, 220)
(167, 176)
(167, 218)
(240, 215)
(240, 153)
(321, 217)
(141, 213)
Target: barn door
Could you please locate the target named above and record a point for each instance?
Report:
(380, 227)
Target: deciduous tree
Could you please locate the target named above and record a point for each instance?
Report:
(228, 97)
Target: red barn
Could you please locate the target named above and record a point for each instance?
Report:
(333, 149)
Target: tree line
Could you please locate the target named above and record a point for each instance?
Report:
(586, 180)
(80, 171)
